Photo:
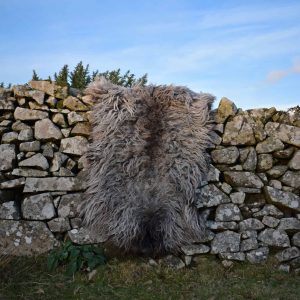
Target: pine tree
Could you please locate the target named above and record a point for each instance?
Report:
(35, 76)
(62, 77)
(128, 79)
(2, 84)
(80, 77)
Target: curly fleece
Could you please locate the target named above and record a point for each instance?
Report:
(147, 156)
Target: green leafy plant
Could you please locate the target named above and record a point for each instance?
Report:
(76, 258)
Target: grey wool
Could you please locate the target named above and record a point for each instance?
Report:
(147, 156)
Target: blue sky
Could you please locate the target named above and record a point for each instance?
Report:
(248, 51)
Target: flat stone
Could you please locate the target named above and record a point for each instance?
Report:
(21, 90)
(289, 225)
(286, 268)
(248, 158)
(251, 224)
(82, 129)
(238, 132)
(277, 171)
(6, 105)
(33, 105)
(88, 100)
(269, 145)
(264, 162)
(258, 256)
(210, 196)
(239, 256)
(59, 120)
(73, 103)
(228, 212)
(227, 263)
(275, 238)
(270, 221)
(286, 133)
(9, 211)
(59, 225)
(63, 172)
(238, 197)
(74, 145)
(50, 88)
(71, 164)
(82, 236)
(226, 188)
(48, 150)
(171, 261)
(23, 238)
(288, 254)
(74, 117)
(285, 154)
(27, 172)
(288, 189)
(7, 157)
(249, 244)
(296, 239)
(213, 225)
(38, 207)
(12, 184)
(29, 114)
(286, 199)
(19, 125)
(275, 184)
(291, 178)
(9, 137)
(295, 263)
(46, 130)
(269, 210)
(33, 185)
(263, 177)
(213, 174)
(83, 163)
(57, 161)
(25, 134)
(227, 241)
(51, 102)
(69, 204)
(36, 161)
(243, 179)
(227, 155)
(262, 114)
(294, 163)
(66, 132)
(38, 96)
(226, 109)
(30, 146)
(195, 249)
(249, 234)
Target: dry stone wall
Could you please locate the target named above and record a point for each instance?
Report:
(250, 202)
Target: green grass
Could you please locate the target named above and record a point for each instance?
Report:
(134, 278)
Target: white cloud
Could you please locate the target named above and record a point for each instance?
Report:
(277, 75)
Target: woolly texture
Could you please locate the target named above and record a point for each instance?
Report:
(147, 157)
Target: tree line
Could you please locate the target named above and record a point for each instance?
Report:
(81, 76)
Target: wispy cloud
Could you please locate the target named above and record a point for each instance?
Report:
(277, 75)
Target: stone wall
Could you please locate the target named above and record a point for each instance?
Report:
(250, 202)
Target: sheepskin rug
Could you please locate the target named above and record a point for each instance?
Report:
(147, 156)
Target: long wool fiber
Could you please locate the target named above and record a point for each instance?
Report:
(146, 157)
